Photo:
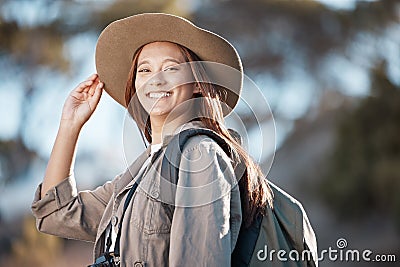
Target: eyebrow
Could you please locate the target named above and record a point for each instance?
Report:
(168, 59)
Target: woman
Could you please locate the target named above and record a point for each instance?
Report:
(149, 64)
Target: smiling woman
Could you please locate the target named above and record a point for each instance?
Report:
(160, 93)
(152, 64)
(163, 82)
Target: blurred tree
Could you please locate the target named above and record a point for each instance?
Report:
(270, 34)
(28, 49)
(364, 176)
(15, 158)
(296, 40)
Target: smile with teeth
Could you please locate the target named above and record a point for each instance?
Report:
(159, 94)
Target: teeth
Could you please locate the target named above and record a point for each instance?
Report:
(159, 94)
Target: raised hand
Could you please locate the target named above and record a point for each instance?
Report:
(82, 101)
(78, 108)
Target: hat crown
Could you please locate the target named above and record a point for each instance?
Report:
(119, 41)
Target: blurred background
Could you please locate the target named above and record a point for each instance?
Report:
(330, 70)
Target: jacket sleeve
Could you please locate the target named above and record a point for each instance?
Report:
(67, 213)
(202, 231)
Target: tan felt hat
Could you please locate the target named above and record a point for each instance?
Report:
(120, 40)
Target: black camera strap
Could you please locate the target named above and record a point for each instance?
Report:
(126, 204)
(109, 238)
(127, 200)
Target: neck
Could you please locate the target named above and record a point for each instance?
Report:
(162, 126)
(157, 125)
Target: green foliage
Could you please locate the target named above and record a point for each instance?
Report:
(364, 177)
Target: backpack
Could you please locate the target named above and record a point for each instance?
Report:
(283, 237)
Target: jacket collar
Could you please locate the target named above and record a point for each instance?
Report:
(188, 125)
(134, 168)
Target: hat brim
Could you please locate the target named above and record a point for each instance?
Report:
(119, 41)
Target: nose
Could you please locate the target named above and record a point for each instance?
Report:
(157, 80)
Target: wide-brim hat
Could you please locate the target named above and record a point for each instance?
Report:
(119, 41)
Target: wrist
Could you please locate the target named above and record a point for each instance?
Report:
(69, 127)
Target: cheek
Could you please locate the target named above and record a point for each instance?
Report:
(138, 84)
(183, 78)
(185, 92)
(139, 92)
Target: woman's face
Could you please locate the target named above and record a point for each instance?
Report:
(161, 82)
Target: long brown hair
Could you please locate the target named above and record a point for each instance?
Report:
(255, 193)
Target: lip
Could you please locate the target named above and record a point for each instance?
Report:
(158, 94)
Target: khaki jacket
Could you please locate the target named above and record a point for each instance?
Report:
(201, 231)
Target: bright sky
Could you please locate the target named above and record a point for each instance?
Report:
(342, 4)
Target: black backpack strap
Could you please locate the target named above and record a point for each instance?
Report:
(179, 141)
(173, 154)
(247, 239)
(246, 243)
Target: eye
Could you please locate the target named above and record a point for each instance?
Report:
(144, 70)
(172, 68)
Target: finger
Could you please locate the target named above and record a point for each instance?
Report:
(90, 89)
(81, 87)
(93, 86)
(94, 100)
(92, 77)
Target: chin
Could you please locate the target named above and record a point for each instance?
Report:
(159, 112)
